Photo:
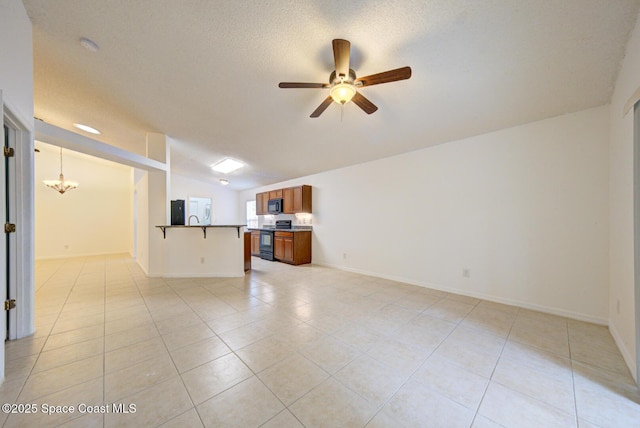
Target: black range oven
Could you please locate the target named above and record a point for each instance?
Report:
(266, 244)
(267, 241)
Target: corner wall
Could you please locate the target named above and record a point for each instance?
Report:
(621, 293)
(524, 209)
(141, 191)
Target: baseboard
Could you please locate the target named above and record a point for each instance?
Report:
(628, 358)
(142, 268)
(498, 299)
(76, 256)
(197, 275)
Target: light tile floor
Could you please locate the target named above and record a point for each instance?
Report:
(302, 346)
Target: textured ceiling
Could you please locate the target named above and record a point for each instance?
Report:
(206, 74)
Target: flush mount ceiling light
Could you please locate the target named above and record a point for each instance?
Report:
(224, 181)
(87, 128)
(89, 44)
(61, 185)
(227, 165)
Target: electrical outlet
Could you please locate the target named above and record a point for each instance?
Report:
(344, 256)
(202, 260)
(466, 273)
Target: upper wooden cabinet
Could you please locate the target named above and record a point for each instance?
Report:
(275, 194)
(297, 199)
(294, 199)
(262, 200)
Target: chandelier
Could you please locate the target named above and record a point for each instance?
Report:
(61, 185)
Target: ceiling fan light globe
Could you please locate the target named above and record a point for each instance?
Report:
(342, 93)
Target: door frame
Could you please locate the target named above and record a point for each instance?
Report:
(22, 288)
(11, 266)
(636, 231)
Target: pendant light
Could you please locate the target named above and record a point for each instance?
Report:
(61, 185)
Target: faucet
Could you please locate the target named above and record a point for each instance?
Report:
(195, 217)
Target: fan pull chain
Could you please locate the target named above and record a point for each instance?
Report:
(341, 112)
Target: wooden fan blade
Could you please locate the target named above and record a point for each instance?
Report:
(385, 77)
(362, 102)
(341, 52)
(322, 107)
(301, 85)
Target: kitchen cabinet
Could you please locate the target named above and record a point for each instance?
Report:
(278, 246)
(297, 199)
(255, 242)
(287, 200)
(294, 200)
(262, 201)
(275, 194)
(292, 247)
(247, 251)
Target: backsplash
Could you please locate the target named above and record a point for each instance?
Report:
(296, 219)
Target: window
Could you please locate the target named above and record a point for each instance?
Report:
(252, 218)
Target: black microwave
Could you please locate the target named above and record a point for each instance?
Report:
(274, 206)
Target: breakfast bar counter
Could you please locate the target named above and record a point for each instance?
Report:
(203, 250)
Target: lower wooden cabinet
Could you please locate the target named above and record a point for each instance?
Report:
(255, 242)
(247, 251)
(292, 247)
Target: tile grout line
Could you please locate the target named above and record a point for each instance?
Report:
(457, 324)
(179, 375)
(504, 345)
(104, 348)
(573, 378)
(409, 376)
(28, 377)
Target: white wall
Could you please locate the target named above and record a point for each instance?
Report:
(525, 209)
(96, 218)
(141, 189)
(16, 60)
(621, 294)
(224, 200)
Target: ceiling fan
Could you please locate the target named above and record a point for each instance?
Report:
(343, 84)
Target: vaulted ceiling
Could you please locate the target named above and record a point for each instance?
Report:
(206, 73)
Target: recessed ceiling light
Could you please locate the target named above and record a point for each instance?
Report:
(89, 44)
(87, 128)
(227, 165)
(224, 181)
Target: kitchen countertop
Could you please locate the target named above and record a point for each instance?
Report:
(201, 225)
(204, 227)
